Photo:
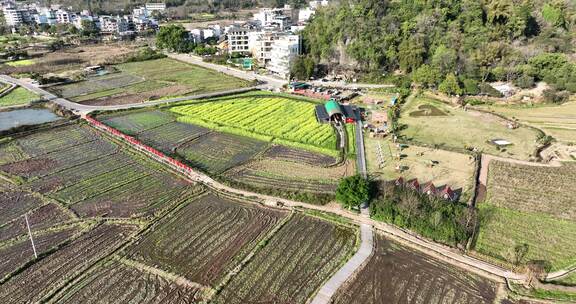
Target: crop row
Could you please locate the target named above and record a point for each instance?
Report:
(205, 239)
(14, 256)
(44, 277)
(260, 180)
(169, 136)
(533, 189)
(279, 117)
(217, 152)
(299, 156)
(142, 197)
(41, 218)
(115, 282)
(57, 139)
(15, 202)
(293, 265)
(136, 122)
(395, 274)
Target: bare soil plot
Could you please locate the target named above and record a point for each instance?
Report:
(396, 274)
(549, 239)
(465, 129)
(15, 255)
(141, 197)
(438, 166)
(52, 272)
(293, 265)
(170, 136)
(278, 152)
(15, 202)
(44, 217)
(206, 238)
(115, 282)
(217, 152)
(72, 59)
(533, 189)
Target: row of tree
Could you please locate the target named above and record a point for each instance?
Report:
(175, 38)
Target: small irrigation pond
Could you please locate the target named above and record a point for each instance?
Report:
(21, 117)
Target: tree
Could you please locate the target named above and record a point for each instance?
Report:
(471, 87)
(89, 28)
(450, 86)
(520, 252)
(174, 38)
(353, 191)
(411, 53)
(426, 76)
(302, 67)
(444, 59)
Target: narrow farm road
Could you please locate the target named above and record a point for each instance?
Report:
(85, 109)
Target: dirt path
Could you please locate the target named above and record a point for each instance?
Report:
(486, 158)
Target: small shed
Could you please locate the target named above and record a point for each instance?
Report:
(429, 189)
(413, 184)
(399, 182)
(448, 194)
(333, 109)
(321, 114)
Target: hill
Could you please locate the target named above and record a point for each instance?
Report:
(486, 40)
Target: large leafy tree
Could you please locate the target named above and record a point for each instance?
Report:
(174, 38)
(353, 191)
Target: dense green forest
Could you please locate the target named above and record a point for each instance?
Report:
(451, 44)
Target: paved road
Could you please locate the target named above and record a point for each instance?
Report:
(360, 152)
(85, 109)
(270, 81)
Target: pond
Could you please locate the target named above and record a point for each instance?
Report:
(17, 118)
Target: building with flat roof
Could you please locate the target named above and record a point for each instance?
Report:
(155, 7)
(238, 40)
(282, 54)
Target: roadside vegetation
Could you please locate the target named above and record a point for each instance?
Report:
(18, 96)
(451, 223)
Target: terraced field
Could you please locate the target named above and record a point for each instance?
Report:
(292, 265)
(395, 274)
(115, 282)
(43, 278)
(91, 174)
(529, 206)
(214, 235)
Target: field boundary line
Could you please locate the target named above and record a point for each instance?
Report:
(259, 246)
(178, 279)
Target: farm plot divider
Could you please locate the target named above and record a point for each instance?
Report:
(138, 145)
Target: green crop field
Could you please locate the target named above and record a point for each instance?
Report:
(19, 96)
(148, 80)
(434, 123)
(549, 239)
(23, 62)
(284, 120)
(532, 205)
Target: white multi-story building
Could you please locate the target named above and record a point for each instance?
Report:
(284, 51)
(63, 16)
(155, 7)
(238, 40)
(45, 15)
(260, 44)
(15, 16)
(318, 3)
(274, 17)
(305, 14)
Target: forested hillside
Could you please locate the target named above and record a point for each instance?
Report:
(436, 41)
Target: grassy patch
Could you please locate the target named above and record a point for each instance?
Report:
(19, 96)
(570, 279)
(19, 63)
(464, 129)
(548, 238)
(556, 120)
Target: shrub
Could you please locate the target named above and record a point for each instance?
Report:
(353, 191)
(553, 96)
(525, 82)
(471, 87)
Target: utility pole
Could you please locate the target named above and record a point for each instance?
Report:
(30, 233)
